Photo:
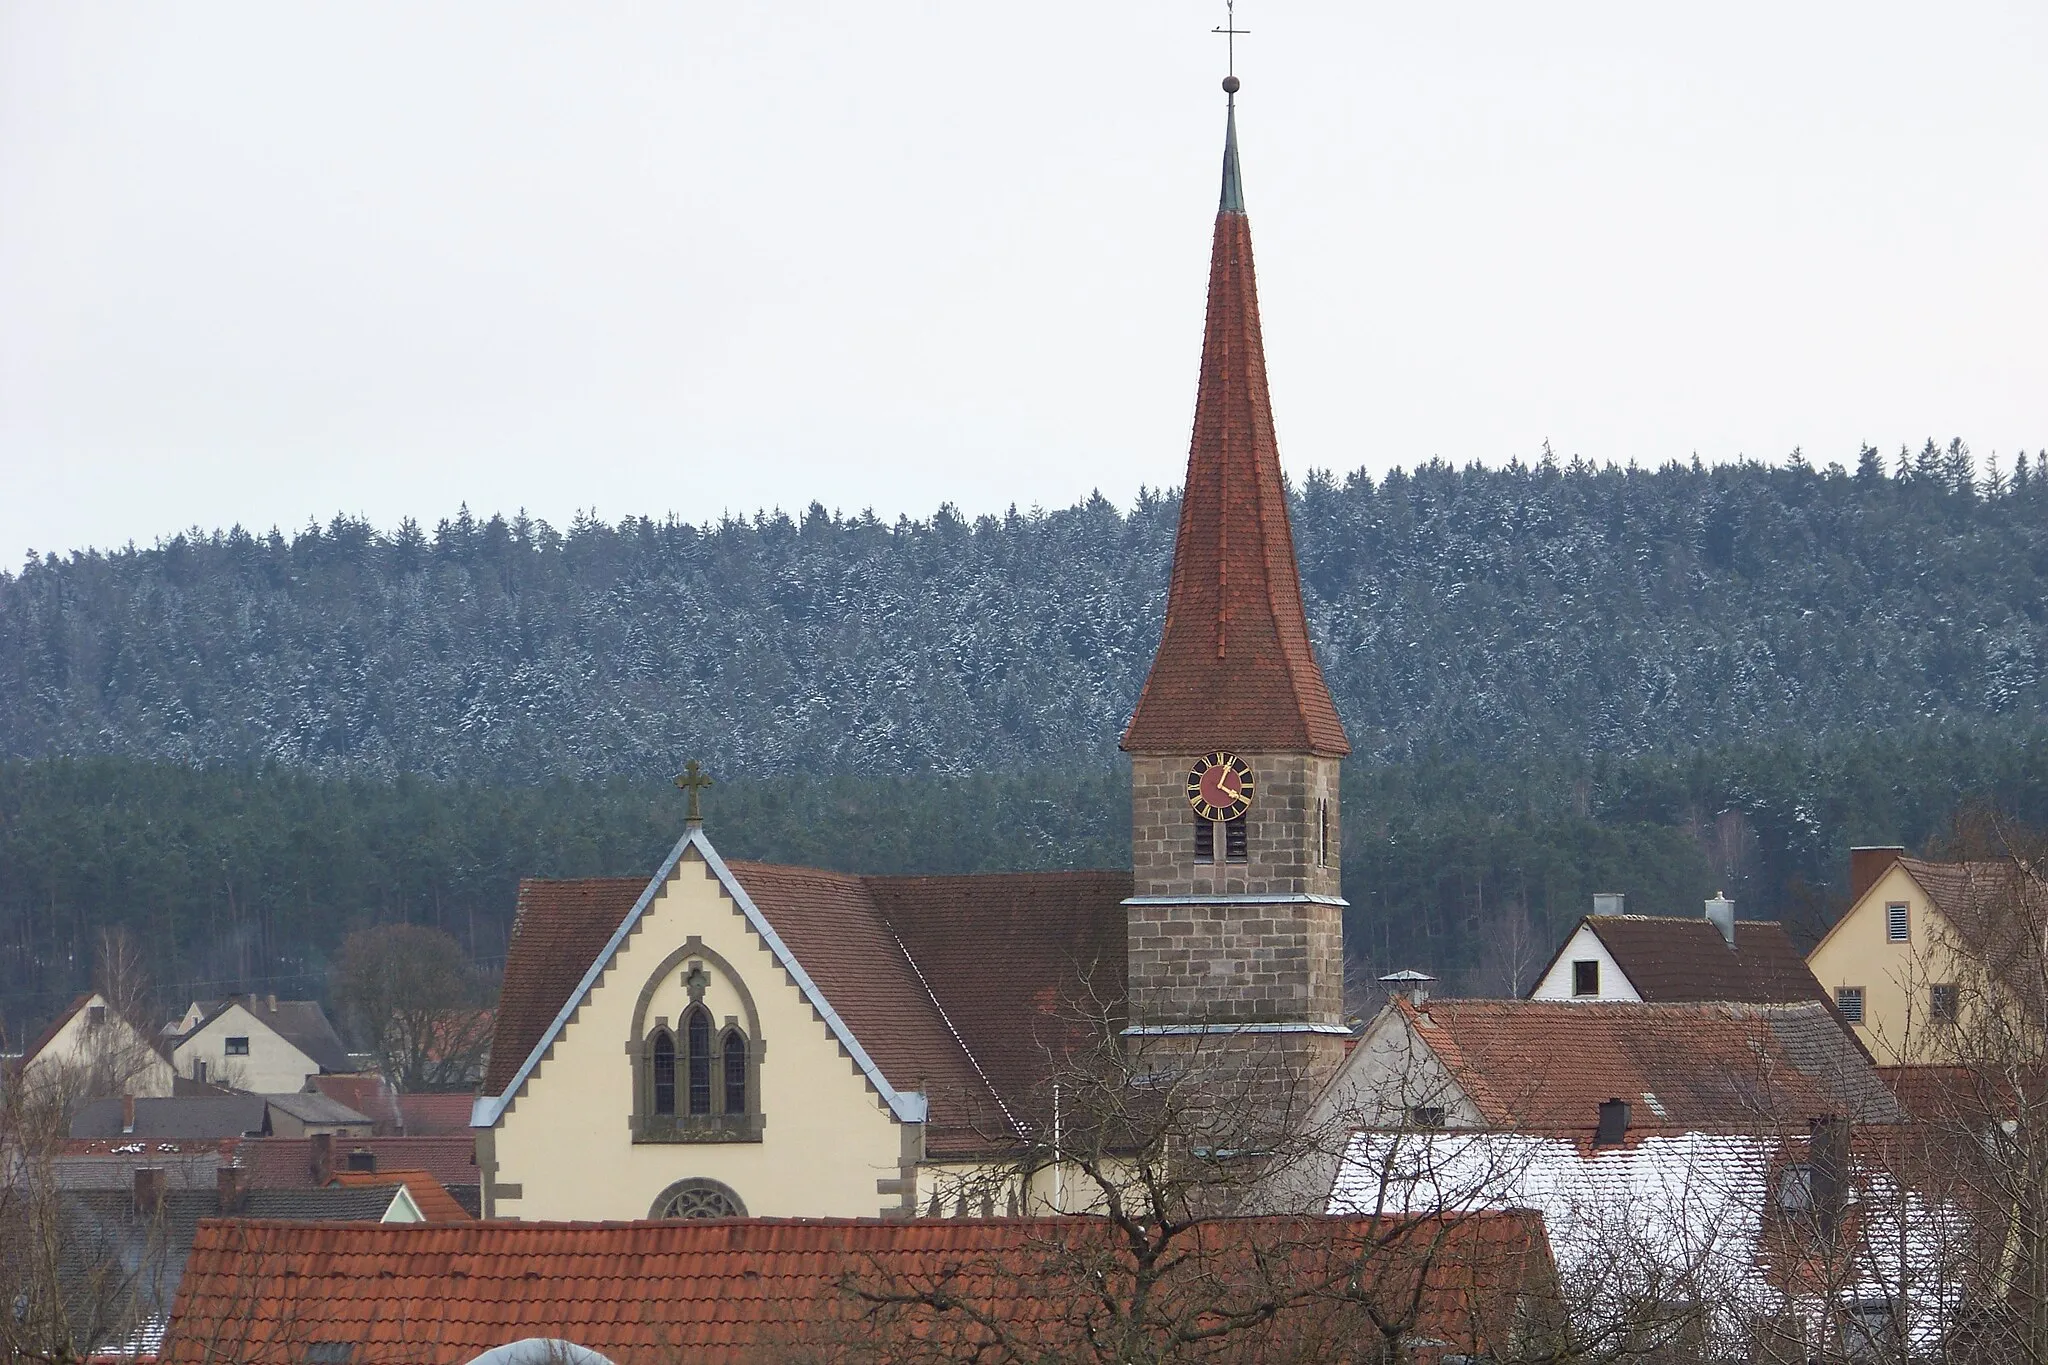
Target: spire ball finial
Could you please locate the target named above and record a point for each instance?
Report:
(1231, 85)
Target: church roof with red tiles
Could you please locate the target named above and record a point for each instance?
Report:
(962, 988)
(1235, 667)
(731, 1291)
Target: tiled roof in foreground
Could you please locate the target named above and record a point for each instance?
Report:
(735, 1291)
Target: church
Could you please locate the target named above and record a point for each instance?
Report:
(738, 1038)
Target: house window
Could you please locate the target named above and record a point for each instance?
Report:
(1895, 922)
(1849, 1001)
(1795, 1189)
(1234, 844)
(1586, 977)
(664, 1073)
(698, 1198)
(1942, 1003)
(698, 1028)
(238, 1047)
(95, 1016)
(1426, 1115)
(735, 1049)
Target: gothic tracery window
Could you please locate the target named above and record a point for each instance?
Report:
(698, 1198)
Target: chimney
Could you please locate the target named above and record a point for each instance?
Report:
(1613, 1123)
(127, 1114)
(1609, 903)
(1721, 914)
(150, 1184)
(272, 1001)
(323, 1159)
(1867, 864)
(230, 1183)
(1411, 983)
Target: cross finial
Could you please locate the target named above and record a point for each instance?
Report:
(693, 781)
(1231, 33)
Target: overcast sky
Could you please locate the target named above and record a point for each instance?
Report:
(269, 261)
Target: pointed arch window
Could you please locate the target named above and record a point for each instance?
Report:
(664, 1064)
(734, 1047)
(698, 1028)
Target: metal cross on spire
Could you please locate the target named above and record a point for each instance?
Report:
(693, 781)
(1231, 33)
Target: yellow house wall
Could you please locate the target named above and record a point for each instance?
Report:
(1895, 977)
(566, 1143)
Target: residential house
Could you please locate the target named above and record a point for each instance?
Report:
(1918, 938)
(91, 1050)
(259, 1044)
(1617, 957)
(1735, 1163)
(310, 1114)
(734, 1292)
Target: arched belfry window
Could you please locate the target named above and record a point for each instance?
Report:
(664, 1061)
(698, 1028)
(696, 1078)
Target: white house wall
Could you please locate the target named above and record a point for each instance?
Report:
(273, 1066)
(1585, 945)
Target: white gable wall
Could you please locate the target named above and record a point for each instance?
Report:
(1583, 945)
(565, 1148)
(273, 1066)
(124, 1059)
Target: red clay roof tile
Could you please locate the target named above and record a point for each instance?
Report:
(1235, 667)
(429, 1194)
(728, 1292)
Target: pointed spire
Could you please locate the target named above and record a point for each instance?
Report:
(1233, 180)
(1235, 668)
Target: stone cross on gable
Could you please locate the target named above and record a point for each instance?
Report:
(695, 980)
(693, 781)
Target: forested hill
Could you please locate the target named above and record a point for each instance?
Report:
(1482, 613)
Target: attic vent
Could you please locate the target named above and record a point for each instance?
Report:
(1896, 925)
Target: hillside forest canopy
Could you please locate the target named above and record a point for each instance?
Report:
(1558, 678)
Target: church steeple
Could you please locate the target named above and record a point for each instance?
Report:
(1235, 669)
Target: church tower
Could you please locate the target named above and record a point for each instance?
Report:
(1235, 923)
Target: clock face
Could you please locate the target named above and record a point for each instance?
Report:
(1220, 787)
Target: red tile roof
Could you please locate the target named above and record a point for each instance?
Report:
(1546, 1066)
(426, 1114)
(367, 1093)
(287, 1163)
(953, 985)
(429, 1194)
(729, 1292)
(1235, 667)
(1673, 957)
(557, 931)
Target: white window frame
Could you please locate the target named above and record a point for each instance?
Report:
(1898, 922)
